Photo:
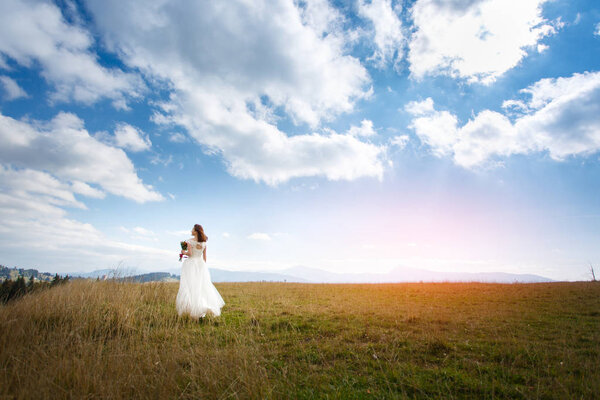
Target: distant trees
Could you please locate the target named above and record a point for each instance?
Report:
(4, 272)
(10, 290)
(55, 280)
(14, 273)
(19, 288)
(4, 290)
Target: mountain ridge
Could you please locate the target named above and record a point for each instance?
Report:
(407, 274)
(315, 275)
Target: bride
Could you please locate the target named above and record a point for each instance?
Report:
(197, 294)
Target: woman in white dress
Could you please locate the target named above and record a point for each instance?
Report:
(197, 295)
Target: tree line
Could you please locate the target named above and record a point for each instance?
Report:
(13, 289)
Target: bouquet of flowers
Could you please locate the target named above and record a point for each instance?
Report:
(183, 248)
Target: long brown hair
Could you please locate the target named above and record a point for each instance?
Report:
(200, 232)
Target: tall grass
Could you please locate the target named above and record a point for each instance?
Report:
(109, 339)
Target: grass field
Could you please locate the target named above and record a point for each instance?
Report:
(106, 339)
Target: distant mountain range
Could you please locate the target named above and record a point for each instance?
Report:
(314, 275)
(405, 274)
(217, 275)
(294, 274)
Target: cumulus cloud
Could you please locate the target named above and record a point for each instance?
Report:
(597, 30)
(12, 89)
(25, 183)
(232, 66)
(387, 35)
(513, 105)
(561, 116)
(86, 190)
(65, 149)
(400, 141)
(131, 138)
(477, 40)
(35, 225)
(35, 33)
(437, 129)
(365, 129)
(420, 107)
(45, 231)
(259, 236)
(44, 169)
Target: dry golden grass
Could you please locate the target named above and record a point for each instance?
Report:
(91, 339)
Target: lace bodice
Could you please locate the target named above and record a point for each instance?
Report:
(196, 248)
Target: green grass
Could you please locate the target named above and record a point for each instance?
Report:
(304, 341)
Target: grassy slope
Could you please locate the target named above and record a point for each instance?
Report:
(286, 340)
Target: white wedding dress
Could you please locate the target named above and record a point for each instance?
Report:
(197, 295)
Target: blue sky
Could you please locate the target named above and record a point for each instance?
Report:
(347, 136)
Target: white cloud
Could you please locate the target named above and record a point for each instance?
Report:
(400, 141)
(387, 30)
(139, 234)
(226, 235)
(177, 137)
(597, 30)
(514, 105)
(259, 236)
(561, 117)
(26, 183)
(304, 186)
(180, 233)
(246, 61)
(434, 128)
(86, 190)
(158, 159)
(65, 149)
(478, 39)
(35, 32)
(365, 129)
(131, 138)
(143, 231)
(35, 226)
(420, 107)
(12, 89)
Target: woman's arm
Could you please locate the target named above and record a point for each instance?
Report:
(204, 254)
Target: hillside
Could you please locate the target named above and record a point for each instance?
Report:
(217, 275)
(14, 273)
(103, 339)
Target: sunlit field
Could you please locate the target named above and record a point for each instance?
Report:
(104, 339)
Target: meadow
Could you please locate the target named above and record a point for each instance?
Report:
(109, 339)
